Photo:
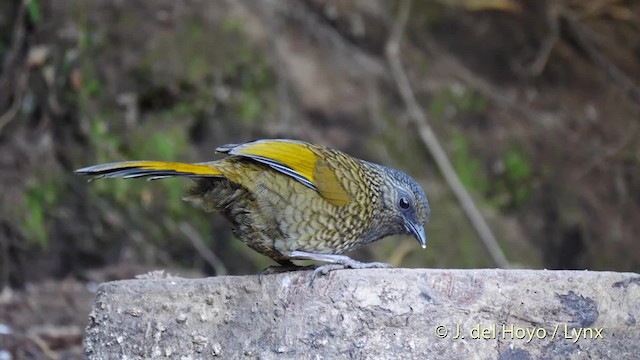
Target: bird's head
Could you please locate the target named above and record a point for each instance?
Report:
(405, 205)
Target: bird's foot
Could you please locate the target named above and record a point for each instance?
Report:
(353, 264)
(339, 262)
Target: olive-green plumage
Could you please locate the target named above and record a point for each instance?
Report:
(292, 200)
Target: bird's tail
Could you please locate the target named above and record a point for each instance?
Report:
(152, 169)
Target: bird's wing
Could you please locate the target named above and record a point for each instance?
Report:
(297, 160)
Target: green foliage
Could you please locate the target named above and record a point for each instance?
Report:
(232, 26)
(105, 142)
(91, 86)
(167, 145)
(255, 80)
(34, 225)
(105, 145)
(438, 105)
(470, 102)
(40, 198)
(512, 188)
(250, 71)
(468, 167)
(35, 13)
(516, 179)
(89, 39)
(249, 106)
(224, 54)
(464, 101)
(516, 165)
(517, 170)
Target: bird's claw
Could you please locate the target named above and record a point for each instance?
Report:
(325, 269)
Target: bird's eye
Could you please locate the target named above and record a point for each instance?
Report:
(404, 203)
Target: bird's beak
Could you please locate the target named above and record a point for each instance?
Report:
(418, 232)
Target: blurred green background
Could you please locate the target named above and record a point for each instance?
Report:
(536, 109)
(536, 103)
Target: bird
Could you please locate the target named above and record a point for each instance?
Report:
(293, 200)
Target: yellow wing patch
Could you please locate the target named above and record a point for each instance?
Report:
(328, 185)
(295, 159)
(283, 155)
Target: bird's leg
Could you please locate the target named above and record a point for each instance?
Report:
(338, 262)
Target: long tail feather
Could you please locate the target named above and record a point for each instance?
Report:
(152, 169)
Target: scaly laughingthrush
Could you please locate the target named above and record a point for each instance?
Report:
(291, 200)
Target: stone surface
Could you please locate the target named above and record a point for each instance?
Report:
(371, 314)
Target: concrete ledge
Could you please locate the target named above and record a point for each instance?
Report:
(371, 314)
